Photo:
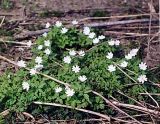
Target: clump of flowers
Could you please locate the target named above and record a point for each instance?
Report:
(81, 59)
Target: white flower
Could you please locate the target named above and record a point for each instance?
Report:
(72, 52)
(117, 42)
(48, 25)
(74, 22)
(25, 86)
(21, 63)
(110, 55)
(86, 30)
(47, 51)
(101, 37)
(40, 47)
(76, 69)
(58, 89)
(124, 64)
(47, 43)
(129, 56)
(82, 78)
(69, 92)
(111, 68)
(67, 59)
(58, 24)
(91, 35)
(32, 71)
(142, 78)
(81, 53)
(133, 52)
(64, 30)
(38, 59)
(38, 67)
(44, 34)
(95, 40)
(111, 42)
(29, 43)
(143, 66)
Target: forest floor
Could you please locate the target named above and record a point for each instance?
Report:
(20, 18)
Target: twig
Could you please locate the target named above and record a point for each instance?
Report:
(82, 110)
(152, 98)
(124, 22)
(138, 108)
(131, 98)
(2, 21)
(123, 16)
(14, 42)
(28, 115)
(124, 33)
(133, 28)
(153, 94)
(110, 103)
(4, 113)
(125, 73)
(28, 34)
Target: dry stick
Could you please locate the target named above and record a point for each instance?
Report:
(123, 16)
(82, 110)
(131, 98)
(139, 115)
(9, 14)
(153, 94)
(152, 99)
(104, 24)
(137, 108)
(2, 21)
(130, 34)
(14, 42)
(30, 34)
(133, 28)
(93, 119)
(28, 115)
(4, 113)
(148, 46)
(110, 103)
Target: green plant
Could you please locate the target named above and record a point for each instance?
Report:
(1, 120)
(47, 13)
(78, 62)
(99, 13)
(6, 4)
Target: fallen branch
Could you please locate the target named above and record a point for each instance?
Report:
(105, 24)
(121, 16)
(28, 34)
(2, 21)
(128, 34)
(82, 110)
(137, 108)
(4, 113)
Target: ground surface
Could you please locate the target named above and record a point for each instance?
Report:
(29, 15)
